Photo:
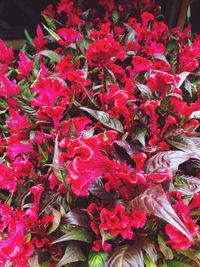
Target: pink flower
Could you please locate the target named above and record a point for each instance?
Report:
(177, 239)
(161, 81)
(39, 41)
(6, 54)
(69, 35)
(7, 178)
(25, 66)
(140, 64)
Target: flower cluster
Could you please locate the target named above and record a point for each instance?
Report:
(99, 140)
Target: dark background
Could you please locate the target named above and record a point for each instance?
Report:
(15, 15)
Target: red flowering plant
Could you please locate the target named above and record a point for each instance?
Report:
(100, 139)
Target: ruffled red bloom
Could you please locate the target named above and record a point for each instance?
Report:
(48, 90)
(177, 239)
(88, 164)
(69, 35)
(140, 64)
(101, 51)
(78, 123)
(49, 11)
(161, 81)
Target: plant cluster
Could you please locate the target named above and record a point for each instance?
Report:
(100, 140)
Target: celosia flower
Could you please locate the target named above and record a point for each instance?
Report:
(25, 66)
(161, 81)
(177, 239)
(101, 52)
(8, 179)
(18, 124)
(39, 41)
(48, 90)
(6, 54)
(69, 35)
(140, 64)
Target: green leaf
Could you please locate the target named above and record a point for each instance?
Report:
(72, 254)
(166, 251)
(115, 16)
(128, 256)
(51, 55)
(43, 156)
(78, 234)
(154, 201)
(177, 264)
(56, 221)
(29, 38)
(52, 33)
(190, 254)
(50, 22)
(148, 261)
(55, 162)
(105, 119)
(97, 259)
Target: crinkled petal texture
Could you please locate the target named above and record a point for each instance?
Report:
(15, 248)
(88, 162)
(177, 239)
(7, 178)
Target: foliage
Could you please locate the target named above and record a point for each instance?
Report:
(100, 140)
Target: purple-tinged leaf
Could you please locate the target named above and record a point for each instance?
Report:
(149, 247)
(182, 77)
(168, 159)
(188, 86)
(72, 254)
(145, 91)
(130, 149)
(128, 256)
(185, 144)
(78, 234)
(143, 117)
(187, 185)
(97, 188)
(140, 134)
(105, 119)
(161, 57)
(76, 217)
(154, 201)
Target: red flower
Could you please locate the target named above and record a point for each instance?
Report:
(6, 54)
(140, 64)
(161, 81)
(7, 178)
(177, 239)
(25, 66)
(100, 52)
(88, 164)
(69, 35)
(116, 221)
(39, 41)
